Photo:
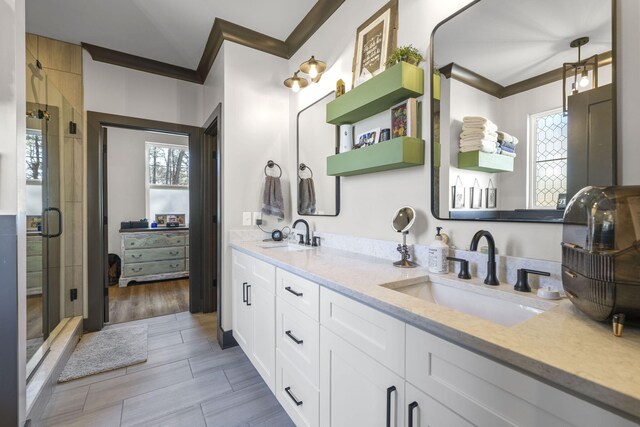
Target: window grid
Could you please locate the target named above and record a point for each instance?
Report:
(550, 133)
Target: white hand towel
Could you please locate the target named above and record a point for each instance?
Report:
(479, 120)
(477, 134)
(486, 127)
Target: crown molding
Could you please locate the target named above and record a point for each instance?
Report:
(221, 31)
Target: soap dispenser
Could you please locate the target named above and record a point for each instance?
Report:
(438, 253)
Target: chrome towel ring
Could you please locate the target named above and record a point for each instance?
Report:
(271, 164)
(303, 167)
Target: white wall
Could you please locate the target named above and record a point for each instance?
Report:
(255, 114)
(126, 176)
(12, 183)
(377, 194)
(118, 90)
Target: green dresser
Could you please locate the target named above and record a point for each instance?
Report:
(154, 255)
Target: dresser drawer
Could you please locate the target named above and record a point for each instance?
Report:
(296, 394)
(153, 240)
(301, 293)
(160, 267)
(34, 246)
(373, 332)
(298, 337)
(34, 263)
(154, 254)
(34, 282)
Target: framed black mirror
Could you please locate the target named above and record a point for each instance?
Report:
(522, 108)
(318, 193)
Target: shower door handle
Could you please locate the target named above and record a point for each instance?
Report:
(46, 219)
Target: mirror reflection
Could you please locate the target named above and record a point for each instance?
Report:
(403, 219)
(318, 194)
(522, 110)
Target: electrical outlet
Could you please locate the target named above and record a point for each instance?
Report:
(246, 218)
(257, 216)
(73, 294)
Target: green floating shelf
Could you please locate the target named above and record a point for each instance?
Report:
(396, 153)
(380, 93)
(485, 162)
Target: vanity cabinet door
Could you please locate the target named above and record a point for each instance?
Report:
(423, 411)
(356, 390)
(263, 349)
(242, 314)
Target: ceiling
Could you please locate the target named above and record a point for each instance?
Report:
(508, 41)
(170, 31)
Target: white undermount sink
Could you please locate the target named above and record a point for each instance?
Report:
(490, 304)
(284, 246)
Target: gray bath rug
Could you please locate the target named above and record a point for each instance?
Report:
(105, 351)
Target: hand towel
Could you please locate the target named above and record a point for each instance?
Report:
(504, 136)
(479, 121)
(272, 201)
(306, 196)
(504, 144)
(483, 134)
(480, 145)
(479, 126)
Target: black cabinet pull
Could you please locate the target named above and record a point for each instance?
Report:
(244, 291)
(296, 340)
(248, 294)
(296, 401)
(389, 391)
(412, 406)
(288, 288)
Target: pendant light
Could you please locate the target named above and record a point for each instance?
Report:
(580, 72)
(313, 68)
(296, 83)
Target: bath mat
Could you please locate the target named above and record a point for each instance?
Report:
(105, 351)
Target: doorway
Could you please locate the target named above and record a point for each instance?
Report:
(147, 192)
(101, 130)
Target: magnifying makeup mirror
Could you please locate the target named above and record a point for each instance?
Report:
(401, 222)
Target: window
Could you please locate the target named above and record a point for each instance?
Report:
(167, 179)
(549, 158)
(34, 155)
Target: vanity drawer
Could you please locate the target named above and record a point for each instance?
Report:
(296, 394)
(301, 293)
(154, 254)
(373, 332)
(34, 282)
(154, 240)
(489, 393)
(298, 337)
(146, 268)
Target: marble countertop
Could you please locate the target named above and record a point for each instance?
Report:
(561, 346)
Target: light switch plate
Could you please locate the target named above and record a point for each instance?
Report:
(246, 218)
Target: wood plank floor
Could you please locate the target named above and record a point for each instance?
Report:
(151, 299)
(186, 381)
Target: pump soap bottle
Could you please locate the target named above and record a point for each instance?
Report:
(438, 253)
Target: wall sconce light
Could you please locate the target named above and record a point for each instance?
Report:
(295, 83)
(313, 68)
(581, 68)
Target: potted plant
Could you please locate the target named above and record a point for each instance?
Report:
(405, 53)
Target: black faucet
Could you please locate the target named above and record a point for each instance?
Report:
(307, 240)
(491, 278)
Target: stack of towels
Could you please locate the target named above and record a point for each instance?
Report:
(478, 134)
(507, 144)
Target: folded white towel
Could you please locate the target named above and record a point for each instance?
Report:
(485, 127)
(504, 136)
(477, 134)
(515, 140)
(477, 141)
(478, 145)
(482, 148)
(479, 120)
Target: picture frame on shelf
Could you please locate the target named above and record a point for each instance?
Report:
(376, 38)
(475, 195)
(491, 196)
(33, 222)
(367, 138)
(171, 220)
(404, 119)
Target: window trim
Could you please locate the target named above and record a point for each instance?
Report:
(532, 158)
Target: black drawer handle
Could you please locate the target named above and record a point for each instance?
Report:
(296, 340)
(174, 265)
(174, 253)
(389, 391)
(412, 406)
(244, 291)
(136, 270)
(288, 288)
(295, 400)
(136, 256)
(248, 294)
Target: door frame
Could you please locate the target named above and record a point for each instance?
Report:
(97, 242)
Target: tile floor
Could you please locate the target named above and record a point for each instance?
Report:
(187, 381)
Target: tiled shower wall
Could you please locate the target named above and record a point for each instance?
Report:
(60, 85)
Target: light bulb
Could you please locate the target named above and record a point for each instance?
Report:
(313, 70)
(584, 80)
(295, 86)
